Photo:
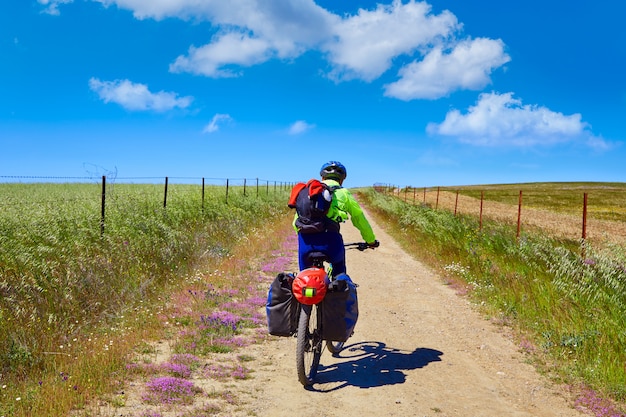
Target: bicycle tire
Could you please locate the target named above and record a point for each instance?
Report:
(309, 344)
(334, 347)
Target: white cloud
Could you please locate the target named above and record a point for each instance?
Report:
(366, 44)
(249, 31)
(500, 119)
(299, 127)
(467, 66)
(137, 97)
(362, 46)
(52, 6)
(214, 124)
(228, 49)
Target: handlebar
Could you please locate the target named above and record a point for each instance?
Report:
(360, 246)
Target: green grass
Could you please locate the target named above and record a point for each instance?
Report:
(570, 312)
(70, 295)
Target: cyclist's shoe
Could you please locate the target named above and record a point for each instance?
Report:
(373, 245)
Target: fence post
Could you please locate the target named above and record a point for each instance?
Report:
(519, 214)
(414, 190)
(456, 201)
(437, 202)
(267, 187)
(257, 187)
(104, 181)
(226, 190)
(165, 193)
(480, 222)
(202, 193)
(424, 194)
(584, 234)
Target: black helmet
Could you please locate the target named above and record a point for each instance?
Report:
(334, 170)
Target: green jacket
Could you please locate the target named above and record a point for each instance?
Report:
(344, 207)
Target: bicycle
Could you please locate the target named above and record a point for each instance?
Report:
(310, 341)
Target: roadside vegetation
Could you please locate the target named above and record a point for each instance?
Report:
(76, 304)
(568, 310)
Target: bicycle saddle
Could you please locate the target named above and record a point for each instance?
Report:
(316, 256)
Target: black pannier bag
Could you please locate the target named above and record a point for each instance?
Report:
(340, 309)
(282, 308)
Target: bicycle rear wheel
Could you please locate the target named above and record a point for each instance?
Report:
(309, 345)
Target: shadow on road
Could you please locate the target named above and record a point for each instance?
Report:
(371, 364)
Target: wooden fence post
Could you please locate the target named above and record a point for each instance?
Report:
(437, 202)
(226, 190)
(165, 193)
(424, 194)
(519, 214)
(257, 187)
(414, 190)
(480, 221)
(456, 201)
(104, 182)
(584, 234)
(202, 193)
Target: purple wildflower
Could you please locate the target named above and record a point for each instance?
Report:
(221, 319)
(177, 369)
(185, 359)
(169, 390)
(598, 406)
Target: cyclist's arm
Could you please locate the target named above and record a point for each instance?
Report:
(358, 218)
(293, 223)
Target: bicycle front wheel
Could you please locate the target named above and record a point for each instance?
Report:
(309, 345)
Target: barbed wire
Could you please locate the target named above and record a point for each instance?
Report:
(143, 178)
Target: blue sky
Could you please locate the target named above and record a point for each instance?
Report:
(402, 92)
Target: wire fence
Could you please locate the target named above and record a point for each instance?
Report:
(51, 192)
(570, 211)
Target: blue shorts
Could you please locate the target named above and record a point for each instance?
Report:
(330, 243)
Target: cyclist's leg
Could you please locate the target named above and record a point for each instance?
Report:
(307, 243)
(336, 253)
(329, 243)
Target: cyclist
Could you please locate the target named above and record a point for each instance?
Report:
(342, 208)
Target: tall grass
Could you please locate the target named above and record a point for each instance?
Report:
(570, 311)
(65, 288)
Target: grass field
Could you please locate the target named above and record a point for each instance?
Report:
(73, 298)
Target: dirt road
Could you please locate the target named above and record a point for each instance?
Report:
(419, 349)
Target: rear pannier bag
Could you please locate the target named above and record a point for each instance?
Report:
(282, 308)
(340, 309)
